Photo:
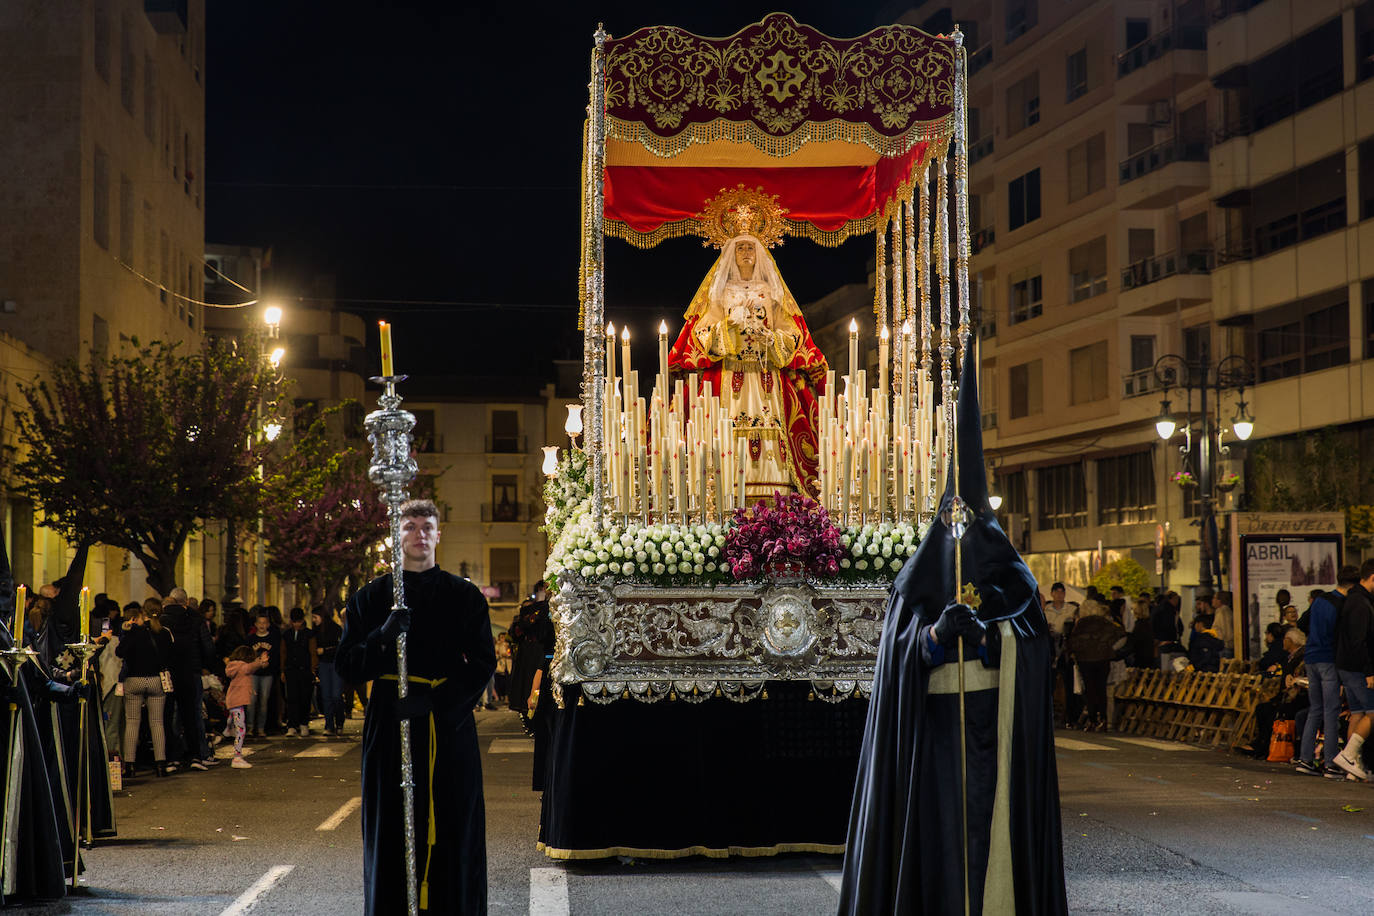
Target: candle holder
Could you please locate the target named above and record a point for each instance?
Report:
(83, 650)
(392, 469)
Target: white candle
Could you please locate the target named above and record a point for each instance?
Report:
(663, 356)
(853, 347)
(882, 362)
(625, 350)
(610, 350)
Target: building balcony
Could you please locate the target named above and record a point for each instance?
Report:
(1162, 66)
(1244, 285)
(980, 149)
(517, 513)
(1139, 383)
(1158, 285)
(1162, 174)
(979, 59)
(505, 445)
(168, 17)
(983, 238)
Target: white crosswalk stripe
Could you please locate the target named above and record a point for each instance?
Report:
(1073, 744)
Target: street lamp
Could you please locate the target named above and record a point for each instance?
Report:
(272, 317)
(1203, 376)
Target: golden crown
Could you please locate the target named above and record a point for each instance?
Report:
(742, 211)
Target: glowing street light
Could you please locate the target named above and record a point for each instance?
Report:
(550, 467)
(277, 356)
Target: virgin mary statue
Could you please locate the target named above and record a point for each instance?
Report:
(748, 340)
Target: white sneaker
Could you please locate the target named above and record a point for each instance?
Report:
(1351, 766)
(239, 763)
(303, 731)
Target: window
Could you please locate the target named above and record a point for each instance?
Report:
(426, 439)
(100, 210)
(1088, 269)
(102, 39)
(1301, 205)
(1368, 287)
(1087, 167)
(1023, 103)
(149, 241)
(505, 431)
(1364, 41)
(1062, 496)
(1126, 489)
(126, 220)
(1304, 336)
(1076, 74)
(100, 336)
(1367, 176)
(165, 266)
(1088, 373)
(1024, 299)
(1197, 343)
(1141, 379)
(149, 98)
(1298, 75)
(505, 496)
(1026, 389)
(505, 573)
(126, 64)
(1013, 489)
(1023, 199)
(1022, 16)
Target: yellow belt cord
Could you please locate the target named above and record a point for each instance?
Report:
(432, 835)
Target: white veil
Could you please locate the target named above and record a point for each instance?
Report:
(765, 271)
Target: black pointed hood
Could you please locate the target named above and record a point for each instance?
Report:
(1005, 585)
(63, 627)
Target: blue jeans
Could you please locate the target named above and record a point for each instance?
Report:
(262, 693)
(1324, 706)
(331, 695)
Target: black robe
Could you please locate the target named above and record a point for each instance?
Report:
(35, 870)
(450, 638)
(905, 851)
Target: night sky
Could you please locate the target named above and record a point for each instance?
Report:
(429, 153)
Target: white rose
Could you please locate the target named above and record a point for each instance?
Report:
(857, 550)
(710, 567)
(643, 568)
(844, 563)
(628, 569)
(861, 564)
(601, 569)
(879, 563)
(670, 557)
(911, 550)
(672, 569)
(587, 572)
(617, 550)
(658, 569)
(720, 540)
(640, 556)
(872, 550)
(602, 556)
(698, 558)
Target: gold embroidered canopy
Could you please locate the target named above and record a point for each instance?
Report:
(837, 128)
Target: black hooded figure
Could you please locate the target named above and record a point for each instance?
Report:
(96, 796)
(31, 854)
(904, 852)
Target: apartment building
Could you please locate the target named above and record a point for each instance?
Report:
(1152, 178)
(101, 187)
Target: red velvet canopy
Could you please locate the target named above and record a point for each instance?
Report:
(837, 128)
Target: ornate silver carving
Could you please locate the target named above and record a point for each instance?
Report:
(393, 468)
(647, 643)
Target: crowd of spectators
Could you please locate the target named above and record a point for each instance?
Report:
(165, 676)
(1317, 666)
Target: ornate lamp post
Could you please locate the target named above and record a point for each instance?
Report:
(1203, 376)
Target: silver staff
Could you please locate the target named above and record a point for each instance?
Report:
(393, 468)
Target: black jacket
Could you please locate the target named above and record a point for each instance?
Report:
(194, 647)
(1354, 628)
(145, 653)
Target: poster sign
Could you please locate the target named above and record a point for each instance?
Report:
(1273, 552)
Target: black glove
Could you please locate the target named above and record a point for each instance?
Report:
(959, 620)
(82, 691)
(62, 693)
(396, 624)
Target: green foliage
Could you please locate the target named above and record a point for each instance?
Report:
(135, 451)
(1125, 572)
(1314, 472)
(565, 491)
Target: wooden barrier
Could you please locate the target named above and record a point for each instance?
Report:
(1197, 707)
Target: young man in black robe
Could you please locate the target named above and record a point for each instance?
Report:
(451, 657)
(906, 847)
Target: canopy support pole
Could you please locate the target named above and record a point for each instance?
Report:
(594, 364)
(925, 418)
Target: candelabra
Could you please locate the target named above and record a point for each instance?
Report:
(393, 468)
(82, 650)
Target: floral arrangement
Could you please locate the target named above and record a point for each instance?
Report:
(796, 529)
(658, 554)
(1184, 478)
(565, 491)
(1228, 481)
(878, 552)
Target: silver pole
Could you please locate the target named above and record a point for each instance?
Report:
(393, 468)
(595, 398)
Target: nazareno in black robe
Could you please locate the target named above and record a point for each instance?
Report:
(31, 867)
(450, 638)
(904, 851)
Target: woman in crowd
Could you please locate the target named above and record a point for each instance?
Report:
(1142, 641)
(1291, 697)
(146, 648)
(232, 634)
(1095, 641)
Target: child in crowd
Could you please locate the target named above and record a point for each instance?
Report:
(240, 668)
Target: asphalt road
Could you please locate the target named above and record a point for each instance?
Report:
(1150, 827)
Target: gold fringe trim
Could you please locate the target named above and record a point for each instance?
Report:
(942, 128)
(614, 228)
(709, 852)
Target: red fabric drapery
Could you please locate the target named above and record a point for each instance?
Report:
(645, 198)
